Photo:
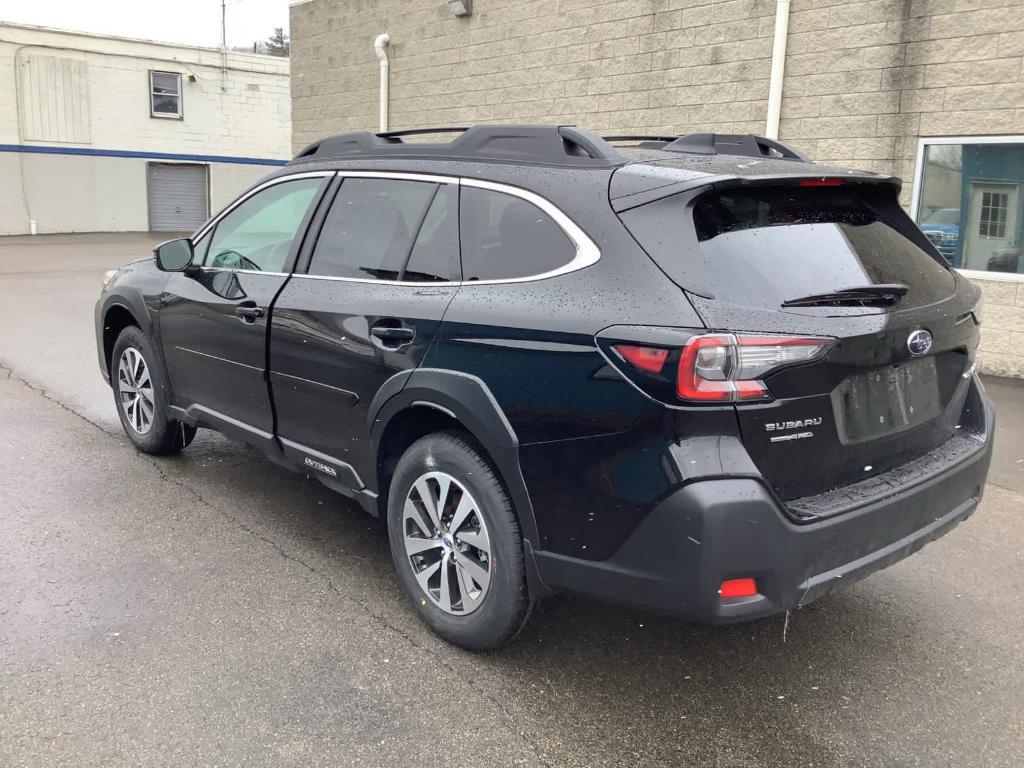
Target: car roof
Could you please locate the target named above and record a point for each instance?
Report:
(542, 145)
(653, 165)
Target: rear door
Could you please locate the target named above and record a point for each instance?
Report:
(384, 267)
(213, 319)
(892, 387)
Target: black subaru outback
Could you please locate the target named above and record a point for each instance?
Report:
(699, 375)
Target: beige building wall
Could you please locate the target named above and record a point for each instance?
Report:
(75, 91)
(864, 80)
(69, 193)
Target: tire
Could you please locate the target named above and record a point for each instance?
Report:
(141, 408)
(487, 540)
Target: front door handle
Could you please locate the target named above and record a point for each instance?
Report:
(392, 337)
(248, 311)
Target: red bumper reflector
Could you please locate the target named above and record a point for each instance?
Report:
(738, 588)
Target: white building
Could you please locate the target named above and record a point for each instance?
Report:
(112, 134)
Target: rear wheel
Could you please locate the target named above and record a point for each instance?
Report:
(140, 396)
(456, 543)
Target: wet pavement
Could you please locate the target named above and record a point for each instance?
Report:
(214, 609)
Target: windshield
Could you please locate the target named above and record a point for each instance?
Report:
(948, 217)
(762, 246)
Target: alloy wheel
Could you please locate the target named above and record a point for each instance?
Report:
(446, 543)
(136, 390)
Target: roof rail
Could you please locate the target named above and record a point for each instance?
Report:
(744, 144)
(640, 137)
(561, 145)
(424, 131)
(643, 141)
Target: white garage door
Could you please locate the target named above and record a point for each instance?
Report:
(177, 196)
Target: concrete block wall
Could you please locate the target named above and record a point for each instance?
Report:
(610, 65)
(864, 80)
(1002, 338)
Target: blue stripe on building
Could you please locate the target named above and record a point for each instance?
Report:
(89, 151)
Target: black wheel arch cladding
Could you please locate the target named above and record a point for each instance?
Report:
(468, 401)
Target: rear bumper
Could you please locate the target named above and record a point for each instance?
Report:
(717, 529)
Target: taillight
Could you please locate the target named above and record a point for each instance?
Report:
(673, 366)
(730, 367)
(823, 181)
(651, 359)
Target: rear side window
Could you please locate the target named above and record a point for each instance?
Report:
(762, 246)
(376, 227)
(505, 237)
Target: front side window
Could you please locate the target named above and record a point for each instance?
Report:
(505, 237)
(165, 94)
(258, 234)
(970, 204)
(389, 229)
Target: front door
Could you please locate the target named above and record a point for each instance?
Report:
(992, 225)
(213, 320)
(383, 270)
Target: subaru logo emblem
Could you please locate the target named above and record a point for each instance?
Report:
(919, 342)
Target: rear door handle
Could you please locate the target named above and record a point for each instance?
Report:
(391, 337)
(248, 311)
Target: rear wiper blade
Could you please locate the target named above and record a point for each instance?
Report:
(879, 293)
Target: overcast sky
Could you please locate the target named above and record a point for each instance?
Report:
(194, 22)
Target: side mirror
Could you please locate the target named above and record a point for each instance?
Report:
(174, 255)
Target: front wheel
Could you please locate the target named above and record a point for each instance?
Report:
(140, 397)
(456, 543)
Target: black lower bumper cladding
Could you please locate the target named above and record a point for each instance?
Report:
(713, 530)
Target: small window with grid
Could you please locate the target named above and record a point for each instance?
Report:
(994, 206)
(165, 94)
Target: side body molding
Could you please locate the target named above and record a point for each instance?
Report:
(469, 400)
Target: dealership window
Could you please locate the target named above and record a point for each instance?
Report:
(165, 94)
(968, 201)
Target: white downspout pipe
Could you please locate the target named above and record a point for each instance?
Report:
(380, 45)
(771, 127)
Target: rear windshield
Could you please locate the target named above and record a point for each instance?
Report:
(762, 246)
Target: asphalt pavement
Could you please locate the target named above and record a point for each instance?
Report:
(214, 609)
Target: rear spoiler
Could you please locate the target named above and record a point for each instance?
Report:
(634, 194)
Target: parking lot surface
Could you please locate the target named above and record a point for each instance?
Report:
(214, 609)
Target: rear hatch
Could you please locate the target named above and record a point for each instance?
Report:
(835, 258)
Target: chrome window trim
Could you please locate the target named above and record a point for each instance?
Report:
(205, 268)
(406, 283)
(587, 252)
(432, 178)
